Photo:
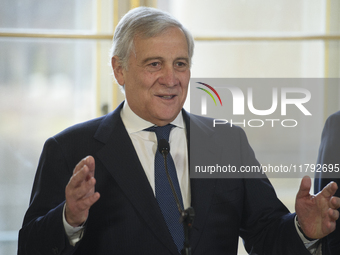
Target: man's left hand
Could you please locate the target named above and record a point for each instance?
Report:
(318, 213)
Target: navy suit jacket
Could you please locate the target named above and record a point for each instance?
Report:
(329, 153)
(127, 220)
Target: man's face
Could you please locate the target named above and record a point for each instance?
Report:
(156, 80)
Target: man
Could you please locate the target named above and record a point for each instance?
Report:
(111, 203)
(329, 154)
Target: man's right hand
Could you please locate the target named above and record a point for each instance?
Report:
(80, 192)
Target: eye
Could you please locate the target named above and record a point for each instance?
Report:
(181, 65)
(153, 66)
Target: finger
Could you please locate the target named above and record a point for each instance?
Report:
(79, 177)
(89, 161)
(87, 202)
(80, 165)
(305, 186)
(329, 190)
(335, 203)
(86, 189)
(330, 227)
(76, 194)
(333, 214)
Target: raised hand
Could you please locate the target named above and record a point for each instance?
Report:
(317, 213)
(80, 192)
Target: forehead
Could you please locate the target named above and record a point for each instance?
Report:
(172, 42)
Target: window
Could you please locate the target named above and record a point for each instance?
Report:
(54, 71)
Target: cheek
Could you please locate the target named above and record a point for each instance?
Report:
(185, 88)
(185, 79)
(144, 85)
(146, 77)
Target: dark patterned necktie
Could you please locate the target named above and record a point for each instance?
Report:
(164, 196)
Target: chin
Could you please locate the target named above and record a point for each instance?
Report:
(169, 118)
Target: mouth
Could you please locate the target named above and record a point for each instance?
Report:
(167, 97)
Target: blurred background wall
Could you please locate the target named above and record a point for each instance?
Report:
(54, 72)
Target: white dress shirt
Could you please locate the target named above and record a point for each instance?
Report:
(145, 144)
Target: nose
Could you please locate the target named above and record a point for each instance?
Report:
(168, 76)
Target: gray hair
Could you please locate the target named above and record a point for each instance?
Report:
(146, 22)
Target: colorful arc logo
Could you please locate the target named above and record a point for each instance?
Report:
(213, 90)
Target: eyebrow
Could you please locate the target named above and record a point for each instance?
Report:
(183, 58)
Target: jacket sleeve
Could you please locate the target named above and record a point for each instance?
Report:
(42, 231)
(267, 227)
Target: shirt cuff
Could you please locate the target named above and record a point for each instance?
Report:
(74, 234)
(307, 243)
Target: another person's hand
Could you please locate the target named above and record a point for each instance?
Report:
(317, 213)
(80, 192)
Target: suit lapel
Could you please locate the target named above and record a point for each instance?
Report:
(128, 172)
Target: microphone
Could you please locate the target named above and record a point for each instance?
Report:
(187, 216)
(164, 149)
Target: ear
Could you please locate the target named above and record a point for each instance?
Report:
(118, 70)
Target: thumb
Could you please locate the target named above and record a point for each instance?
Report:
(306, 184)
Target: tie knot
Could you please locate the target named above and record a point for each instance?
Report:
(161, 132)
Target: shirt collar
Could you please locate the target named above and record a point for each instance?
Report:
(133, 123)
